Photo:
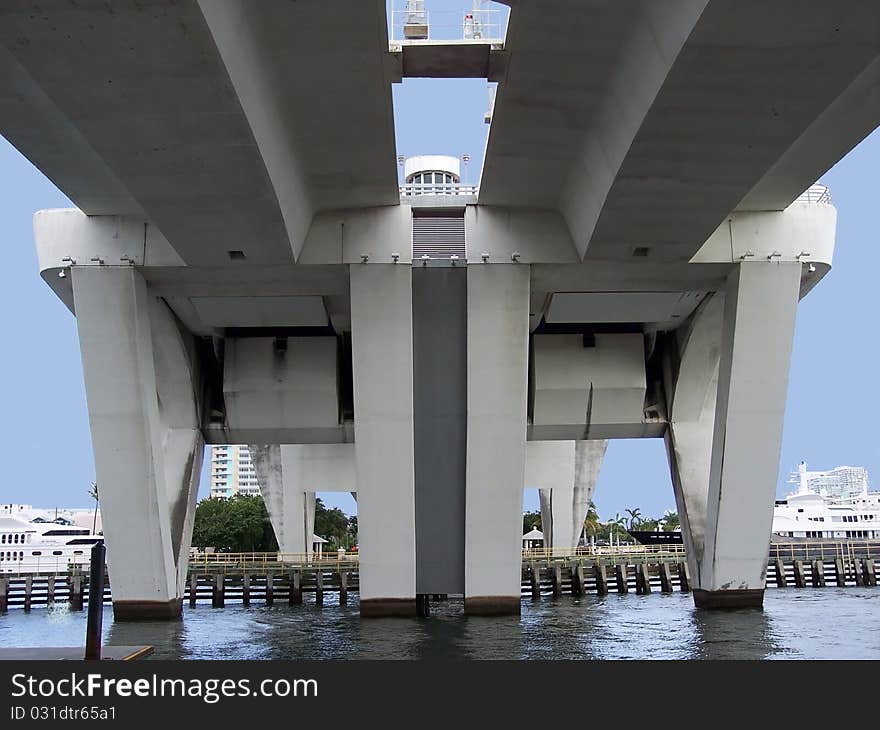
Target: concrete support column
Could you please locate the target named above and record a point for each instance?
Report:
(759, 317)
(382, 364)
(566, 474)
(143, 396)
(291, 509)
(497, 379)
(725, 429)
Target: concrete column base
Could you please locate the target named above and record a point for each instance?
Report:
(492, 605)
(147, 610)
(750, 598)
(386, 607)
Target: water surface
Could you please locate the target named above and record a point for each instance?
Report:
(821, 623)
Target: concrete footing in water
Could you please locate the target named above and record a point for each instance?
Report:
(492, 605)
(147, 610)
(748, 598)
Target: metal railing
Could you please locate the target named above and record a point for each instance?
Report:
(471, 26)
(628, 552)
(415, 189)
(255, 561)
(825, 551)
(816, 194)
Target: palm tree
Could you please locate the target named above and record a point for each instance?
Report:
(671, 521)
(93, 493)
(591, 523)
(635, 516)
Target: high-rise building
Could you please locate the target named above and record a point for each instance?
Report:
(232, 471)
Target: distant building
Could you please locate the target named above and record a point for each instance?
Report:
(844, 482)
(232, 471)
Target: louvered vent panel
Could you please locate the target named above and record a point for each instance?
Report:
(438, 236)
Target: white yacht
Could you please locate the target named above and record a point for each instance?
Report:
(43, 546)
(830, 505)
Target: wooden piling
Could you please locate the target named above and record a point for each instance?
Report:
(270, 589)
(218, 595)
(577, 580)
(620, 572)
(601, 578)
(343, 587)
(799, 579)
(4, 594)
(535, 577)
(869, 572)
(557, 580)
(319, 587)
(684, 577)
(643, 579)
(296, 594)
(28, 589)
(665, 578)
(75, 593)
(817, 571)
(781, 581)
(246, 589)
(859, 575)
(193, 589)
(839, 573)
(50, 590)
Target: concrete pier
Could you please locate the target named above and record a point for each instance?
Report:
(382, 347)
(497, 383)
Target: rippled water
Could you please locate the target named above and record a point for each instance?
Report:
(827, 623)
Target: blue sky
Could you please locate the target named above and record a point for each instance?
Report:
(833, 398)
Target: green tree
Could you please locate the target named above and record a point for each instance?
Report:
(93, 493)
(671, 521)
(237, 525)
(592, 525)
(635, 518)
(334, 526)
(531, 521)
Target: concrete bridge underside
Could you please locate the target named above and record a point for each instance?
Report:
(241, 269)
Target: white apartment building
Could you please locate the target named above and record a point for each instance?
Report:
(232, 471)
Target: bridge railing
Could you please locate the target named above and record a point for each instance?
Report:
(411, 189)
(469, 26)
(816, 194)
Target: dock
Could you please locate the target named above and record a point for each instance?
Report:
(222, 579)
(72, 653)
